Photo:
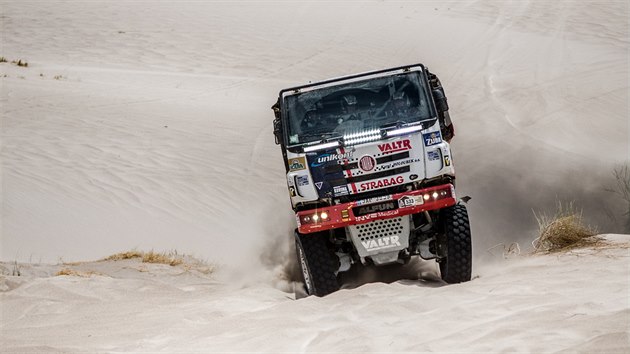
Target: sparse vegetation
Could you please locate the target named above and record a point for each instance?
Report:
(563, 230)
(72, 263)
(16, 269)
(21, 63)
(512, 250)
(141, 264)
(622, 188)
(172, 258)
(75, 273)
(124, 255)
(66, 271)
(162, 258)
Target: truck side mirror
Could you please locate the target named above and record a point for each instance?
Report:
(277, 123)
(277, 130)
(440, 100)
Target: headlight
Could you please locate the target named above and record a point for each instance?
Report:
(315, 218)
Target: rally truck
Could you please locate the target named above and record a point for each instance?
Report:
(370, 175)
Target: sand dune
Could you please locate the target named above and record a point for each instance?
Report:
(574, 302)
(146, 125)
(149, 126)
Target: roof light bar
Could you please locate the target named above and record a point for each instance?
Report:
(404, 130)
(321, 146)
(362, 137)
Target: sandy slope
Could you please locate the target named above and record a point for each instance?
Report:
(146, 124)
(149, 126)
(574, 302)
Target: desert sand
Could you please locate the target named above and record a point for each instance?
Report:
(146, 125)
(569, 302)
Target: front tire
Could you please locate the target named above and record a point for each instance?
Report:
(317, 263)
(456, 265)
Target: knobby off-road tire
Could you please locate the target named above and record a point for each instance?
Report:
(456, 267)
(317, 263)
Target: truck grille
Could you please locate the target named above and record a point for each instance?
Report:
(371, 239)
(379, 228)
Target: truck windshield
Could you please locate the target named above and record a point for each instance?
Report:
(356, 107)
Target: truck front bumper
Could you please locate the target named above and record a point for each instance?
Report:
(383, 207)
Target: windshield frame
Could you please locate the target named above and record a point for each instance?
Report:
(417, 89)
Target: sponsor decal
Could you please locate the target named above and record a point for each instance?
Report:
(324, 158)
(447, 160)
(432, 138)
(395, 146)
(367, 163)
(302, 181)
(410, 201)
(382, 242)
(399, 163)
(373, 208)
(385, 182)
(319, 185)
(297, 163)
(412, 177)
(291, 187)
(340, 190)
(373, 200)
(380, 214)
(433, 155)
(342, 151)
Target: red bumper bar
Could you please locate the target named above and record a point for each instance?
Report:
(383, 207)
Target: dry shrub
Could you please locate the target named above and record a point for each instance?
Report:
(72, 272)
(148, 257)
(170, 258)
(162, 258)
(67, 271)
(622, 188)
(563, 230)
(20, 63)
(124, 255)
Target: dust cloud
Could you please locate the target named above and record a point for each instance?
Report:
(505, 202)
(506, 195)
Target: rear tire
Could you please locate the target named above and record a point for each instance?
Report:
(456, 265)
(317, 262)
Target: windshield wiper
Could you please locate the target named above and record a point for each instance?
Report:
(322, 136)
(396, 124)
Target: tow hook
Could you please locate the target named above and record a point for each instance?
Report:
(464, 199)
